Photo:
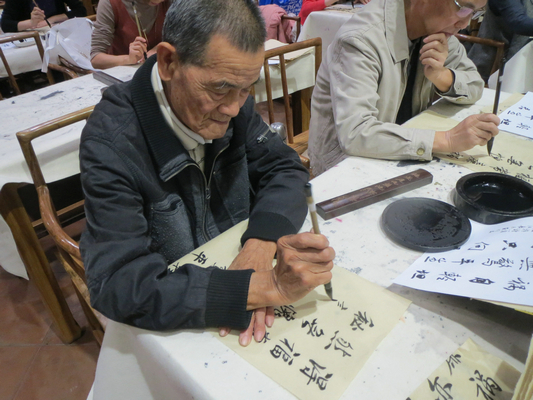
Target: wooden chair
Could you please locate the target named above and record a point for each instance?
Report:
(474, 26)
(20, 36)
(298, 23)
(500, 47)
(297, 142)
(68, 250)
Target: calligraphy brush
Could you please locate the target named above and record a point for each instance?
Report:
(316, 229)
(139, 27)
(46, 20)
(496, 99)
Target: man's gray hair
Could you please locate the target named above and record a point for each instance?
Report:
(190, 25)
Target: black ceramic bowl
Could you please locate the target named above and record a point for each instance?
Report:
(491, 198)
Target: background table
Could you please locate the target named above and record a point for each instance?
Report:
(21, 59)
(517, 74)
(138, 364)
(325, 24)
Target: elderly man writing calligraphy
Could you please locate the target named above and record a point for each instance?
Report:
(177, 156)
(383, 67)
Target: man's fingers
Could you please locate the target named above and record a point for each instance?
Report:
(438, 37)
(245, 337)
(304, 241)
(270, 317)
(489, 117)
(224, 331)
(259, 328)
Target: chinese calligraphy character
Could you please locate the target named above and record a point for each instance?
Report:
(516, 284)
(433, 259)
(442, 391)
(266, 338)
(201, 258)
(313, 329)
(497, 156)
(511, 245)
(512, 161)
(527, 263)
(501, 169)
(420, 274)
(173, 267)
(502, 262)
(448, 276)
(314, 375)
(359, 320)
(485, 386)
(463, 261)
(479, 246)
(286, 355)
(452, 361)
(483, 281)
(340, 344)
(287, 312)
(341, 305)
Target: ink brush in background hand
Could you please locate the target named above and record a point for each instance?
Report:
(316, 229)
(496, 99)
(142, 33)
(46, 20)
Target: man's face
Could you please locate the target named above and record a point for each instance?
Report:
(206, 98)
(441, 15)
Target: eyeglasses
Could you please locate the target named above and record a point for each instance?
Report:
(464, 12)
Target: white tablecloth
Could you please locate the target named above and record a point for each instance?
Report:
(300, 75)
(138, 364)
(21, 59)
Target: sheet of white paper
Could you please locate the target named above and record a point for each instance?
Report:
(316, 346)
(518, 119)
(496, 263)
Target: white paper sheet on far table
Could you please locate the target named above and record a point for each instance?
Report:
(518, 118)
(496, 263)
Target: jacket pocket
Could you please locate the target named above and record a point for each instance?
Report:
(170, 228)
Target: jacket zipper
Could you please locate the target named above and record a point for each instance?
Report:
(207, 191)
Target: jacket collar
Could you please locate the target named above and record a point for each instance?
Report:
(168, 153)
(396, 30)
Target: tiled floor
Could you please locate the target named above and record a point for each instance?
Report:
(34, 363)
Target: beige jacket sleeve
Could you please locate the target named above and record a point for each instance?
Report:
(366, 93)
(104, 28)
(468, 84)
(367, 89)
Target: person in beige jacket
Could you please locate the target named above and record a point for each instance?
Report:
(357, 100)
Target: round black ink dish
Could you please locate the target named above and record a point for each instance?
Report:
(425, 224)
(491, 198)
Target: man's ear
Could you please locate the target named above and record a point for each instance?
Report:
(167, 60)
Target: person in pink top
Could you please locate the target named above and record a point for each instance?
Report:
(309, 6)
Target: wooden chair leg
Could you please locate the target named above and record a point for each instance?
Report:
(36, 264)
(301, 110)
